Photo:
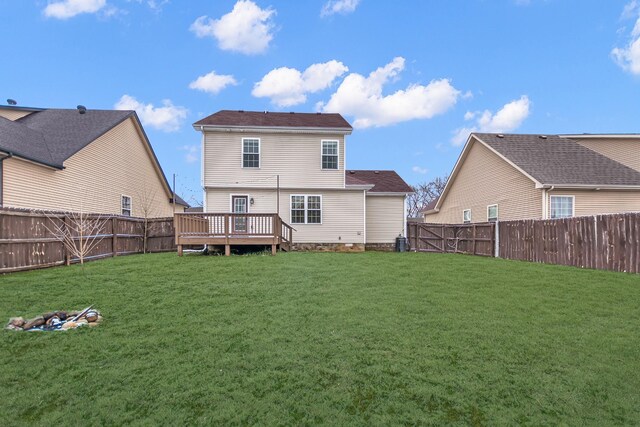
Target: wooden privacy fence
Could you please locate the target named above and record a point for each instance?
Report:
(605, 242)
(474, 239)
(27, 241)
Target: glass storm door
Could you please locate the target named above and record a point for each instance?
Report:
(239, 204)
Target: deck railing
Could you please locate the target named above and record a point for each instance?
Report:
(232, 229)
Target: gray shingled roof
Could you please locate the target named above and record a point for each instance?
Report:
(269, 119)
(554, 160)
(53, 135)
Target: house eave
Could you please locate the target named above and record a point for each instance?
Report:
(388, 193)
(589, 187)
(271, 129)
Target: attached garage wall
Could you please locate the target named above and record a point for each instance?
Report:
(385, 218)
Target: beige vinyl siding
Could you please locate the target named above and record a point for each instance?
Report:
(625, 151)
(342, 211)
(13, 114)
(385, 218)
(592, 202)
(94, 178)
(486, 179)
(295, 157)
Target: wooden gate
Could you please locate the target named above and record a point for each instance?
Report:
(474, 239)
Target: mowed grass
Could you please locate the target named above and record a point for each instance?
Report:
(334, 339)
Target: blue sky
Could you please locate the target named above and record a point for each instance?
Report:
(414, 77)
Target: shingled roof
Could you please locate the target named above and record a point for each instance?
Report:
(51, 136)
(382, 181)
(556, 160)
(269, 119)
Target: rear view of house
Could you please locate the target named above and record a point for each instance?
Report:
(294, 165)
(97, 161)
(509, 177)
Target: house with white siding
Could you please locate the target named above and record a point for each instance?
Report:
(516, 176)
(98, 161)
(294, 165)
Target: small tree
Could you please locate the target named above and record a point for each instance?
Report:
(146, 199)
(423, 194)
(79, 232)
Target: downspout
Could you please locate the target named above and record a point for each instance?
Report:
(2, 181)
(204, 191)
(364, 207)
(404, 217)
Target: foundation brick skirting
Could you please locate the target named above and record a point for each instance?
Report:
(328, 247)
(380, 247)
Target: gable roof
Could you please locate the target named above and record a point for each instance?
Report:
(550, 160)
(266, 119)
(383, 181)
(51, 136)
(555, 160)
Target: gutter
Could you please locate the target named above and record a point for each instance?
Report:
(589, 187)
(271, 129)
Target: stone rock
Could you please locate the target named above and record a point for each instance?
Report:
(81, 322)
(53, 320)
(18, 322)
(34, 323)
(70, 325)
(91, 316)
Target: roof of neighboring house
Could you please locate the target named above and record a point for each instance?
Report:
(51, 136)
(429, 206)
(242, 118)
(555, 160)
(383, 181)
(194, 209)
(180, 201)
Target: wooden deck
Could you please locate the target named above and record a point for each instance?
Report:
(230, 229)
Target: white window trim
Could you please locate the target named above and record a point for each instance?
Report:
(338, 155)
(573, 204)
(463, 220)
(232, 195)
(130, 205)
(306, 209)
(497, 211)
(259, 153)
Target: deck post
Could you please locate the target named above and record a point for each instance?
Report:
(179, 250)
(227, 246)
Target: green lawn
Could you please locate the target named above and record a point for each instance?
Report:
(304, 338)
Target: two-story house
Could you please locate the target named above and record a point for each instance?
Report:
(293, 164)
(98, 161)
(502, 177)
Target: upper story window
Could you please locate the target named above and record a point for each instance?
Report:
(306, 209)
(126, 205)
(466, 216)
(250, 152)
(492, 213)
(329, 154)
(562, 206)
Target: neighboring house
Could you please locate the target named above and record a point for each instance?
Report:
(97, 161)
(508, 177)
(252, 160)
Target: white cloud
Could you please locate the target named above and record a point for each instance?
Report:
(66, 9)
(418, 169)
(362, 98)
(509, 117)
(246, 29)
(339, 6)
(167, 118)
(212, 83)
(191, 155)
(628, 57)
(288, 86)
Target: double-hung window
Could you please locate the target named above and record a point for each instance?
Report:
(466, 216)
(329, 154)
(125, 205)
(562, 206)
(492, 213)
(250, 153)
(306, 209)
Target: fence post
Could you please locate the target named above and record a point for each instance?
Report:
(496, 239)
(67, 255)
(114, 236)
